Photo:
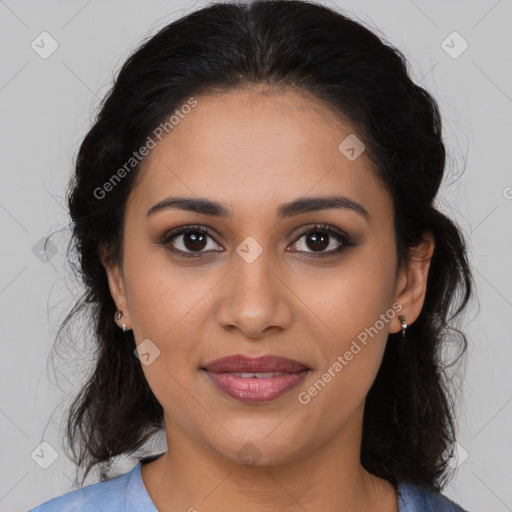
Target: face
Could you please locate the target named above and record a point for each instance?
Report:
(300, 283)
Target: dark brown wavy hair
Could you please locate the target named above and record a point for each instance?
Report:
(409, 420)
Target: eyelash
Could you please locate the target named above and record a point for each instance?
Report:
(340, 236)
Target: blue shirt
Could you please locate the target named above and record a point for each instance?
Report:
(126, 493)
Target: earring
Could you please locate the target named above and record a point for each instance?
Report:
(404, 325)
(118, 316)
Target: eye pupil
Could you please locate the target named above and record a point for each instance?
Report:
(194, 240)
(320, 242)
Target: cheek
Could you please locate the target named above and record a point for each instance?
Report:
(164, 308)
(355, 309)
(351, 297)
(160, 294)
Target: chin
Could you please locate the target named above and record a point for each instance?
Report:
(259, 450)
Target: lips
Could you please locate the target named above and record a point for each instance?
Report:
(264, 364)
(255, 380)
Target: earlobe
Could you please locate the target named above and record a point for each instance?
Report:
(117, 289)
(412, 282)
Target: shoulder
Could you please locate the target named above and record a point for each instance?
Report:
(417, 498)
(115, 494)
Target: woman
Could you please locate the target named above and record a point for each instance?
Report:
(268, 277)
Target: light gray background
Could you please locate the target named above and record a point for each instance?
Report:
(46, 107)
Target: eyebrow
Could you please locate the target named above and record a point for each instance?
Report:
(298, 206)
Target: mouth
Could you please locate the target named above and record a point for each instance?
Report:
(255, 380)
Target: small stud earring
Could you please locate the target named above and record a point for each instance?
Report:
(118, 316)
(404, 325)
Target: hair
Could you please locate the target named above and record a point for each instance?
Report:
(409, 416)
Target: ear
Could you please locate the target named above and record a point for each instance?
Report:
(412, 282)
(116, 285)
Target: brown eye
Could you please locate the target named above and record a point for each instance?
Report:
(320, 238)
(194, 241)
(317, 241)
(187, 240)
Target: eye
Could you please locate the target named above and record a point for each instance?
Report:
(319, 238)
(194, 239)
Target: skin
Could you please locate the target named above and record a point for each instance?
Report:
(252, 150)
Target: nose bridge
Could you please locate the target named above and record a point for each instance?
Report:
(253, 297)
(253, 267)
(253, 279)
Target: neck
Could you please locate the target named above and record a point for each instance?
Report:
(191, 476)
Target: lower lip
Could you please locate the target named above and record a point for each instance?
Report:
(254, 389)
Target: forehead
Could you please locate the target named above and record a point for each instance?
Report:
(251, 148)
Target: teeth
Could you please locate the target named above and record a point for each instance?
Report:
(259, 375)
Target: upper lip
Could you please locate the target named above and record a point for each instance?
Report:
(241, 363)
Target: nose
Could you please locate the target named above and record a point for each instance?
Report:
(255, 299)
